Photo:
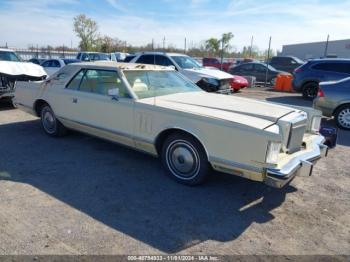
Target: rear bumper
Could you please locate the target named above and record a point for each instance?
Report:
(300, 165)
(326, 107)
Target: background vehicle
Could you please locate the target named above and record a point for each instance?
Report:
(208, 79)
(238, 83)
(333, 99)
(36, 61)
(307, 76)
(128, 58)
(257, 70)
(161, 112)
(286, 63)
(13, 69)
(92, 56)
(51, 66)
(118, 56)
(214, 62)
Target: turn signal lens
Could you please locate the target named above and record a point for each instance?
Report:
(320, 93)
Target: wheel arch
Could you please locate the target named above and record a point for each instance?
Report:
(345, 103)
(309, 82)
(161, 137)
(38, 104)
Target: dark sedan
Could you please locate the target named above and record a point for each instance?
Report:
(257, 70)
(333, 99)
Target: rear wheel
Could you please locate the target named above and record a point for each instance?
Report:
(310, 90)
(185, 159)
(342, 117)
(51, 125)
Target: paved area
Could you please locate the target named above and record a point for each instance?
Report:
(81, 195)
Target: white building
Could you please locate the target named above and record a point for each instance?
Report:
(338, 48)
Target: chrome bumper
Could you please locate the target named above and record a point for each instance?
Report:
(301, 165)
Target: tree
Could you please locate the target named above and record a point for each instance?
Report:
(212, 45)
(225, 41)
(87, 30)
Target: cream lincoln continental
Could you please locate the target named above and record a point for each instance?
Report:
(157, 110)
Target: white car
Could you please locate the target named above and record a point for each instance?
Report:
(208, 79)
(159, 111)
(13, 69)
(51, 66)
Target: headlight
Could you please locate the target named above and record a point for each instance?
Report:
(316, 123)
(273, 150)
(211, 81)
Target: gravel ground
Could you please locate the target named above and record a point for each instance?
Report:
(81, 195)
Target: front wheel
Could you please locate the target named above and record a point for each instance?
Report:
(185, 159)
(50, 123)
(342, 117)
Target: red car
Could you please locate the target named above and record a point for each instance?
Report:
(238, 82)
(214, 62)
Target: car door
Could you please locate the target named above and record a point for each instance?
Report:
(50, 67)
(90, 109)
(260, 72)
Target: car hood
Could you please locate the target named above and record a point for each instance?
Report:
(207, 72)
(21, 70)
(244, 111)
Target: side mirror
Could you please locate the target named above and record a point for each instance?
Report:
(114, 93)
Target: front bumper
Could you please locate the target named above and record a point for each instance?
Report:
(299, 165)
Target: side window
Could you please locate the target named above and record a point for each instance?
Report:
(100, 81)
(75, 82)
(333, 67)
(55, 63)
(247, 67)
(85, 57)
(260, 68)
(146, 59)
(46, 64)
(163, 60)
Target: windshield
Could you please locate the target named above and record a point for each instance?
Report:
(8, 56)
(186, 62)
(98, 56)
(158, 83)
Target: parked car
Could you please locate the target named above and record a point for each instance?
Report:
(208, 79)
(286, 63)
(118, 56)
(307, 77)
(257, 70)
(37, 61)
(239, 83)
(92, 56)
(159, 111)
(51, 66)
(334, 100)
(12, 69)
(214, 62)
(128, 58)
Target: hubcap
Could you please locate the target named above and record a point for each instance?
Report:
(311, 92)
(344, 117)
(49, 122)
(182, 159)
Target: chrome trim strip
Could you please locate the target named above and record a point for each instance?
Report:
(236, 164)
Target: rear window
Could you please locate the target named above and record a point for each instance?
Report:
(333, 67)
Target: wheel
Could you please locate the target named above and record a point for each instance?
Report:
(185, 159)
(14, 105)
(50, 124)
(342, 117)
(310, 90)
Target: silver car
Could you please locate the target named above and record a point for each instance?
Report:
(334, 100)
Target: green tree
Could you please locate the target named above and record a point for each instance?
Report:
(212, 45)
(87, 30)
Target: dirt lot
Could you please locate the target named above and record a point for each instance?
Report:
(81, 195)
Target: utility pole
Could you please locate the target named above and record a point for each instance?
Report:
(152, 44)
(267, 62)
(185, 45)
(251, 47)
(326, 48)
(164, 43)
(222, 52)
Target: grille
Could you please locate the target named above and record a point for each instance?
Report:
(296, 137)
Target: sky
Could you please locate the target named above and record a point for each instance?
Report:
(45, 22)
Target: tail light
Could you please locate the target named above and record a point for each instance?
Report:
(320, 92)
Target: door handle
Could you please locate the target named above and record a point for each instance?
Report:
(75, 100)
